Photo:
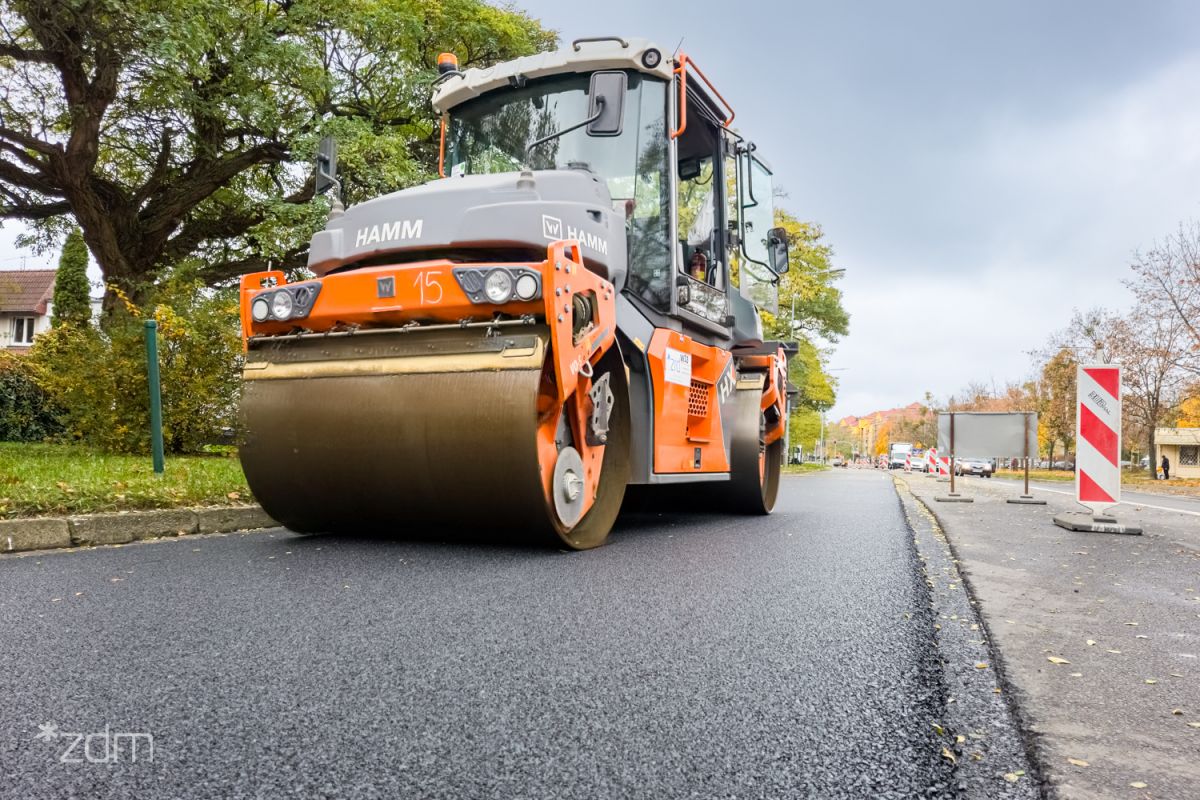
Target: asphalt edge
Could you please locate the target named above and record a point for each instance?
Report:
(975, 781)
(36, 534)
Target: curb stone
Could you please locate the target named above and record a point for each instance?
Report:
(44, 533)
(34, 534)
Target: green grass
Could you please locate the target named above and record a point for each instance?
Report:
(1062, 475)
(801, 469)
(43, 479)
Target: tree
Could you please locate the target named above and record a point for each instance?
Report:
(810, 304)
(1169, 284)
(1056, 402)
(1151, 347)
(1189, 410)
(177, 130)
(72, 295)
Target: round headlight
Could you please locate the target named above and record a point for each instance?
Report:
(526, 287)
(650, 58)
(281, 305)
(260, 310)
(498, 286)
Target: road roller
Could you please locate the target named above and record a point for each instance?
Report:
(570, 308)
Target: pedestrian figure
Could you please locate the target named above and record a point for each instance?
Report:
(1166, 468)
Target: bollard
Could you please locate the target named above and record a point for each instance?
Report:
(156, 436)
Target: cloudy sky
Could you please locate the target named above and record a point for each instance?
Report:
(980, 169)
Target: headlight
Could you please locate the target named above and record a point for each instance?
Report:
(260, 310)
(527, 287)
(281, 305)
(498, 286)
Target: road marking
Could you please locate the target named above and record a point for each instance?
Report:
(1131, 503)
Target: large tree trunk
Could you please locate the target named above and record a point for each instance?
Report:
(1052, 443)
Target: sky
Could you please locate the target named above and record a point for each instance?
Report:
(980, 169)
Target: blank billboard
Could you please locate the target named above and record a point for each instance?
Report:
(988, 434)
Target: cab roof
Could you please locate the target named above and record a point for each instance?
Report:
(579, 56)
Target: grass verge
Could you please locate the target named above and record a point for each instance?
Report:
(45, 479)
(803, 469)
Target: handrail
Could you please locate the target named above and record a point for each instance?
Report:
(442, 150)
(575, 44)
(681, 70)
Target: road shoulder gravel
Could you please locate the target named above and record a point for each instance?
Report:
(979, 729)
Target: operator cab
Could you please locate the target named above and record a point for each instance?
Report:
(695, 200)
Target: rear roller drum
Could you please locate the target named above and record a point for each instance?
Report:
(754, 465)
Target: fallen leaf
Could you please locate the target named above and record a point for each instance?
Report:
(981, 665)
(960, 739)
(1076, 674)
(1177, 712)
(1011, 777)
(1176, 675)
(1131, 624)
(1138, 785)
(1194, 724)
(1057, 660)
(938, 729)
(1116, 652)
(946, 752)
(1141, 636)
(234, 495)
(1151, 681)
(976, 756)
(1079, 762)
(1091, 642)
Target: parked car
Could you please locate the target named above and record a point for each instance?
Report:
(837, 462)
(973, 466)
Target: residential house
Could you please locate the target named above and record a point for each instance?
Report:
(26, 303)
(1181, 446)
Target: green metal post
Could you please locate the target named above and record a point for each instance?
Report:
(156, 437)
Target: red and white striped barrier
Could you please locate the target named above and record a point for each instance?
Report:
(1098, 447)
(943, 466)
(908, 462)
(931, 461)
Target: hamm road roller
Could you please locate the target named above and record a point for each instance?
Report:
(571, 308)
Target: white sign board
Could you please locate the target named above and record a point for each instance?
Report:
(986, 434)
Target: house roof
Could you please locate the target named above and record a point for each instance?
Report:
(26, 290)
(1177, 435)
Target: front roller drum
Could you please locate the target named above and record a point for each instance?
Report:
(430, 437)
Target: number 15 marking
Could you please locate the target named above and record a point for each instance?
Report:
(427, 285)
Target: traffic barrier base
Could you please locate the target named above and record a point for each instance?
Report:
(1082, 521)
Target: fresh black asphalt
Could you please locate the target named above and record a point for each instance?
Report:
(696, 655)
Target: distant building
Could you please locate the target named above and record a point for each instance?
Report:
(26, 306)
(26, 303)
(1181, 446)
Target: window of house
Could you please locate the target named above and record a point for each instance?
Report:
(1188, 455)
(23, 330)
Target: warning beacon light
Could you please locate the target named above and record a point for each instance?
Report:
(447, 62)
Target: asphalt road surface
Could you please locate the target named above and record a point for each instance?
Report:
(693, 656)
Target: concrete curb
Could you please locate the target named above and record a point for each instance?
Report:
(45, 533)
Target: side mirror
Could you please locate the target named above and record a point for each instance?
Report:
(606, 103)
(326, 165)
(777, 250)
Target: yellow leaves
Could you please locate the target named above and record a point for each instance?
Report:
(948, 755)
(1012, 777)
(1078, 762)
(938, 729)
(981, 665)
(1091, 642)
(1151, 681)
(1138, 784)
(1193, 724)
(1057, 660)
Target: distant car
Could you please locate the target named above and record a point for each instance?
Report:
(838, 462)
(973, 466)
